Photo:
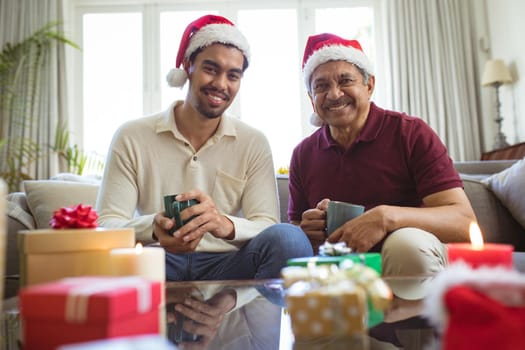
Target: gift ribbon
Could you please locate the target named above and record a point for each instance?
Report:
(77, 300)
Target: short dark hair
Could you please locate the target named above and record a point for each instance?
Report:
(196, 52)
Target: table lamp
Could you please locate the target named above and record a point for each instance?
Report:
(495, 74)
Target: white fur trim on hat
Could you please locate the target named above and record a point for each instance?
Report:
(460, 273)
(335, 53)
(218, 33)
(176, 77)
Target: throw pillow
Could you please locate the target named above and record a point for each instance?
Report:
(86, 179)
(16, 212)
(509, 186)
(46, 196)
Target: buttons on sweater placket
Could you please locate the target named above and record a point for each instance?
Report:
(193, 157)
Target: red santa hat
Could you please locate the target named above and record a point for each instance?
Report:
(321, 48)
(203, 32)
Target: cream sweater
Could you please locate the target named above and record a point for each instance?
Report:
(149, 158)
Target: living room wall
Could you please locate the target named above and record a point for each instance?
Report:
(505, 41)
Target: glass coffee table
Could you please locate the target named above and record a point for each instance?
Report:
(251, 314)
(248, 314)
(261, 321)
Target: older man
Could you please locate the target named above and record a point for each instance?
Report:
(393, 164)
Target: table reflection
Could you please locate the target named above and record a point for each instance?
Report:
(252, 315)
(223, 315)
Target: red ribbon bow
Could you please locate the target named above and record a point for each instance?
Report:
(79, 216)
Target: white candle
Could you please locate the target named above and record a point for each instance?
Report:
(3, 234)
(148, 262)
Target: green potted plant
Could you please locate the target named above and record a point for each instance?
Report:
(22, 66)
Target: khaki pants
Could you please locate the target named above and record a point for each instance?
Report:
(412, 252)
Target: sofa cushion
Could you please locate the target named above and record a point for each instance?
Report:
(509, 186)
(18, 210)
(483, 168)
(46, 196)
(282, 187)
(495, 221)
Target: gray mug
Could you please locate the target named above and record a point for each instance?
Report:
(339, 213)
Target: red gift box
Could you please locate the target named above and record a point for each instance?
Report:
(80, 309)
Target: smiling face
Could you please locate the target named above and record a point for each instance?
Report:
(339, 94)
(215, 78)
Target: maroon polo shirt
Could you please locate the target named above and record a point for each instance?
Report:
(395, 160)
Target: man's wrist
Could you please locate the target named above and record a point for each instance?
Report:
(231, 228)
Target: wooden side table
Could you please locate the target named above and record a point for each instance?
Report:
(516, 151)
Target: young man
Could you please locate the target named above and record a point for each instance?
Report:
(393, 164)
(197, 152)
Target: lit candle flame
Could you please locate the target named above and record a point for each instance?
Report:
(476, 239)
(138, 248)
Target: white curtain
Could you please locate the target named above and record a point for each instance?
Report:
(433, 65)
(18, 20)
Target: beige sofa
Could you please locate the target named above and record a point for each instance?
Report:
(497, 224)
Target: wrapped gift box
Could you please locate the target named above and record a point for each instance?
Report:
(51, 254)
(81, 309)
(372, 260)
(319, 314)
(332, 300)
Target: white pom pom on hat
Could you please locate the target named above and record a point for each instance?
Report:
(176, 77)
(315, 119)
(203, 32)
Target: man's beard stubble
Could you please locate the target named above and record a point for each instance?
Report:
(211, 113)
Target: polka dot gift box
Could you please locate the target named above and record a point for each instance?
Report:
(328, 313)
(329, 301)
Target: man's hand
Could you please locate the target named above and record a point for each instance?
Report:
(362, 232)
(161, 227)
(204, 317)
(313, 223)
(206, 218)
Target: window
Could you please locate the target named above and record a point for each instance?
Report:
(112, 75)
(127, 50)
(270, 93)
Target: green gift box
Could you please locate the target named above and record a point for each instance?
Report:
(372, 260)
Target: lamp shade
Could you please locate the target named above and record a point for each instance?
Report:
(496, 72)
